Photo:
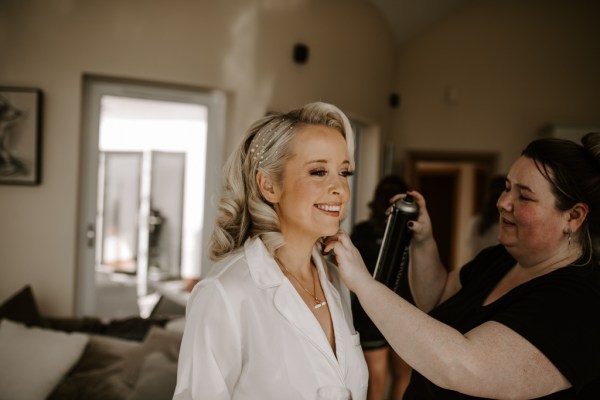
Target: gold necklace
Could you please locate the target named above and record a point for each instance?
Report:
(318, 303)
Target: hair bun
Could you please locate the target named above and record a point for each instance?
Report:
(591, 143)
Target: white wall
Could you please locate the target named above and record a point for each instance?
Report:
(512, 65)
(241, 46)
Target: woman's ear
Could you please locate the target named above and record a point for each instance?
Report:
(266, 187)
(577, 215)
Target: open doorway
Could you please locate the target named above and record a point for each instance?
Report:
(146, 175)
(454, 186)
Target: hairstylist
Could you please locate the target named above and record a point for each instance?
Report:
(521, 319)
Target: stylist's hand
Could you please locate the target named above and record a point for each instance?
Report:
(421, 227)
(352, 268)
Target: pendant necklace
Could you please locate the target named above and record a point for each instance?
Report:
(318, 303)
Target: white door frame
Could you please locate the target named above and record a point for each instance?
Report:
(93, 89)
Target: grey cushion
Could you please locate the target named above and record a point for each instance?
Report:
(157, 378)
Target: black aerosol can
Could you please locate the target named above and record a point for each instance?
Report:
(393, 254)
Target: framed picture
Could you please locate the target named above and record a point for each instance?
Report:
(20, 136)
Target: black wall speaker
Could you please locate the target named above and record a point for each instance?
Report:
(300, 53)
(394, 100)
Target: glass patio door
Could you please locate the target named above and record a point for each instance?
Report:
(146, 177)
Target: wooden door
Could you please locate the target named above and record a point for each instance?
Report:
(440, 190)
(454, 186)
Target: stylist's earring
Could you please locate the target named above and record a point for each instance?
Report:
(570, 233)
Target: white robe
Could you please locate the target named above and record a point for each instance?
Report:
(249, 335)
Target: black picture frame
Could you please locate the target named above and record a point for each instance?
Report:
(20, 135)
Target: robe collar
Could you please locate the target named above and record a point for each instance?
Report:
(266, 274)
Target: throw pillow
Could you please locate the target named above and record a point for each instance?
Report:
(176, 325)
(157, 339)
(21, 307)
(98, 375)
(158, 377)
(35, 360)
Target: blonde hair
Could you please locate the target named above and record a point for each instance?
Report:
(243, 212)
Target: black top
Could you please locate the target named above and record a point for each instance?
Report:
(559, 313)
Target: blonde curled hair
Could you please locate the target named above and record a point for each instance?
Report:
(243, 212)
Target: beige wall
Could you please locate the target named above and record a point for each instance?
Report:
(243, 47)
(513, 65)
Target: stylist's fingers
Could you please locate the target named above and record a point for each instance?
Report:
(349, 260)
(421, 227)
(344, 239)
(329, 243)
(341, 238)
(416, 226)
(418, 198)
(397, 197)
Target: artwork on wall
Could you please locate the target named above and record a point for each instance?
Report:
(20, 135)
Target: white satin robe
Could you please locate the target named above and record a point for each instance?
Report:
(249, 335)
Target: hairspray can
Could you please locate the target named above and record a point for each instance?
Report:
(393, 254)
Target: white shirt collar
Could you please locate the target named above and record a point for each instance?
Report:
(264, 269)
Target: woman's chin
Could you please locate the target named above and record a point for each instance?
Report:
(329, 232)
(507, 242)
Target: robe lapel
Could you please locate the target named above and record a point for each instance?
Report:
(336, 310)
(291, 306)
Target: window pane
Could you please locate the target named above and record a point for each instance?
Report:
(122, 172)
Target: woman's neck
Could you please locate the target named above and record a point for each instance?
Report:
(296, 259)
(549, 264)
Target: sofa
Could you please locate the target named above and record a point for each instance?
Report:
(85, 358)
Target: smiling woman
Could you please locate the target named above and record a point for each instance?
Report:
(273, 305)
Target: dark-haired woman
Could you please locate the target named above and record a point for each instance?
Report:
(520, 321)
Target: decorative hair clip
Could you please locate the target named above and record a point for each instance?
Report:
(262, 141)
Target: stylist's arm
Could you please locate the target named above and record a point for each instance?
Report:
(489, 361)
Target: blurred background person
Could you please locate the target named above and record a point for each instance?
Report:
(367, 236)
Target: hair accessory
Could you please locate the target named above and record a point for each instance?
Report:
(318, 303)
(262, 140)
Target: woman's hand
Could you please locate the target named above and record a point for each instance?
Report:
(352, 268)
(421, 227)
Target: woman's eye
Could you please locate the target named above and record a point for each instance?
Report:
(347, 174)
(318, 172)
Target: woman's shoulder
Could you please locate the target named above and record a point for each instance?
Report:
(555, 312)
(227, 266)
(221, 294)
(225, 275)
(576, 282)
